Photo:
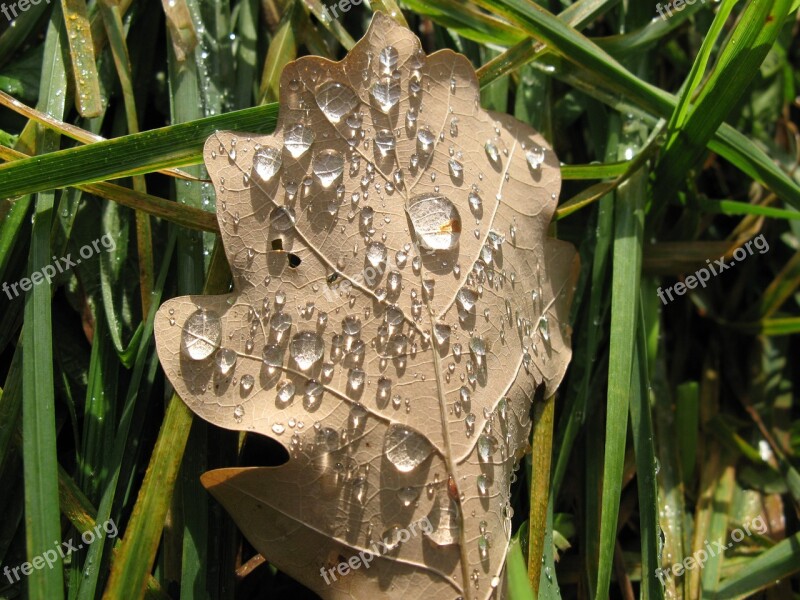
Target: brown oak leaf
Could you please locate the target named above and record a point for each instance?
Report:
(396, 303)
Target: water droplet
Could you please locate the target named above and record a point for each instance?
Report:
(376, 254)
(267, 162)
(483, 484)
(388, 58)
(405, 448)
(306, 349)
(358, 416)
(442, 333)
(394, 281)
(225, 358)
(386, 93)
(491, 151)
(238, 413)
(475, 202)
(282, 218)
(436, 221)
(408, 495)
(280, 323)
(247, 382)
(384, 389)
(328, 166)
(466, 299)
(425, 139)
(201, 334)
(400, 258)
(445, 522)
(298, 139)
(285, 391)
(484, 447)
(272, 355)
(312, 395)
(535, 157)
(351, 326)
(278, 429)
(456, 169)
(355, 380)
(384, 141)
(335, 100)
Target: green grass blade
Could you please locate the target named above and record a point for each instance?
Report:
(779, 562)
(42, 514)
(628, 232)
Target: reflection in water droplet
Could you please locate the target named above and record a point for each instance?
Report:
(436, 221)
(335, 100)
(201, 334)
(328, 166)
(298, 139)
(405, 448)
(267, 162)
(306, 349)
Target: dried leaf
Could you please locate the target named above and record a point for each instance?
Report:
(396, 302)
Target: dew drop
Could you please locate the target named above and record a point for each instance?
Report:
(225, 359)
(405, 448)
(425, 140)
(335, 100)
(386, 93)
(385, 142)
(298, 139)
(201, 334)
(328, 166)
(267, 162)
(306, 348)
(436, 221)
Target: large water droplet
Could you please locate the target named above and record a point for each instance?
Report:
(335, 100)
(328, 167)
(201, 334)
(405, 448)
(298, 139)
(436, 221)
(306, 349)
(386, 93)
(272, 355)
(351, 326)
(445, 522)
(267, 162)
(466, 299)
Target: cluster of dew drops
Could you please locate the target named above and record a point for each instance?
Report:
(436, 222)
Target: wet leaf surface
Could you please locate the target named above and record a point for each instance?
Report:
(396, 303)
